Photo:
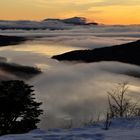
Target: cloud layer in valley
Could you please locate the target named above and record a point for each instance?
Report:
(72, 91)
(79, 91)
(82, 37)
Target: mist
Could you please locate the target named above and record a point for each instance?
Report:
(78, 92)
(74, 91)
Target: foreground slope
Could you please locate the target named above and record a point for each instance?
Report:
(126, 53)
(121, 129)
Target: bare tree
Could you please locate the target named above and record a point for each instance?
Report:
(119, 103)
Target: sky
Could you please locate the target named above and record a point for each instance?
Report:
(102, 11)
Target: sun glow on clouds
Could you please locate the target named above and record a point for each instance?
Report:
(103, 11)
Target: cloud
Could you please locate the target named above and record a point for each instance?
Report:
(117, 3)
(70, 90)
(93, 37)
(89, 3)
(100, 10)
(76, 91)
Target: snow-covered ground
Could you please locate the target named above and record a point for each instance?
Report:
(120, 129)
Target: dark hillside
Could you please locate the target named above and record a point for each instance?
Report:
(11, 40)
(127, 53)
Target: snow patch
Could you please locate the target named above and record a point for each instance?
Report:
(121, 129)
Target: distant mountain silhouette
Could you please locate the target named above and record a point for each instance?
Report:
(126, 53)
(73, 20)
(11, 40)
(78, 21)
(50, 24)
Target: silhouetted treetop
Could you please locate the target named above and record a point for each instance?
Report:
(19, 111)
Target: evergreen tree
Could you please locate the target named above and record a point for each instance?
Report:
(19, 111)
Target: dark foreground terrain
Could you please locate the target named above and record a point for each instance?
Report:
(126, 53)
(11, 40)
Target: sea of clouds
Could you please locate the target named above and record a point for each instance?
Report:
(74, 92)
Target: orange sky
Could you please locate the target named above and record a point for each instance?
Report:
(102, 11)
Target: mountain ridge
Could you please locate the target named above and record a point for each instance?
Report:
(126, 53)
(74, 21)
(50, 23)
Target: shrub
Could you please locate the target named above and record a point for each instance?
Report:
(119, 103)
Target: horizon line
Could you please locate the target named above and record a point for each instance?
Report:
(89, 21)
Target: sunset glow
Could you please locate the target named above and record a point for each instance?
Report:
(102, 11)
